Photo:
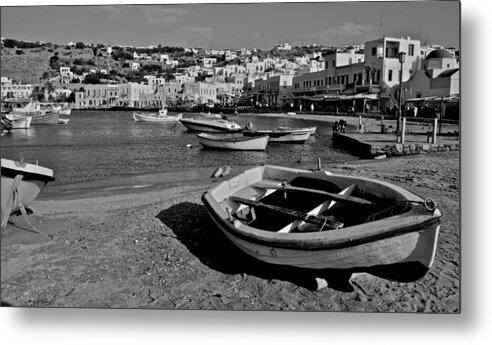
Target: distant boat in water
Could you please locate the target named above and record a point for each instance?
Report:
(235, 142)
(283, 134)
(153, 117)
(210, 125)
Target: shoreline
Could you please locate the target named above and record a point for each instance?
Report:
(156, 247)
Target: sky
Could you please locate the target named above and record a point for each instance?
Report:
(232, 25)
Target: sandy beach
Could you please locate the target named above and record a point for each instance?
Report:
(147, 242)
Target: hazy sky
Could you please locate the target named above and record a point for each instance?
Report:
(232, 25)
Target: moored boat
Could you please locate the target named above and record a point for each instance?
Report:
(210, 125)
(45, 118)
(318, 220)
(153, 117)
(21, 183)
(283, 135)
(227, 142)
(18, 121)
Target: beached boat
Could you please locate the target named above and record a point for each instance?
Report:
(227, 142)
(18, 121)
(318, 220)
(153, 117)
(210, 125)
(282, 134)
(21, 183)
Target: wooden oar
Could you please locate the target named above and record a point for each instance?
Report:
(337, 197)
(308, 218)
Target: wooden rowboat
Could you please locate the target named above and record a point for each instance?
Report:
(318, 220)
(283, 134)
(21, 183)
(227, 142)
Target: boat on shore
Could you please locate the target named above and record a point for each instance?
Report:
(210, 125)
(283, 134)
(318, 220)
(153, 117)
(227, 142)
(21, 183)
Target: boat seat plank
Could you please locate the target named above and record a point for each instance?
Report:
(308, 218)
(316, 211)
(336, 197)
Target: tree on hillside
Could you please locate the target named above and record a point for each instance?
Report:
(79, 45)
(55, 62)
(92, 79)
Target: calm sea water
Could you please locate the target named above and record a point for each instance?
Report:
(104, 144)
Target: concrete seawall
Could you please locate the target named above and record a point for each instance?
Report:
(369, 145)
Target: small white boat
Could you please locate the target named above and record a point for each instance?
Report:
(63, 121)
(235, 142)
(21, 183)
(153, 117)
(283, 135)
(19, 121)
(65, 111)
(210, 125)
(46, 118)
(311, 130)
(318, 220)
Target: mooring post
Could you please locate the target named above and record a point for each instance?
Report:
(361, 128)
(319, 163)
(434, 132)
(403, 129)
(383, 127)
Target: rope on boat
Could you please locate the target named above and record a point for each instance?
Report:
(428, 203)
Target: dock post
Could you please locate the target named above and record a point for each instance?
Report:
(403, 129)
(434, 132)
(319, 164)
(383, 127)
(361, 128)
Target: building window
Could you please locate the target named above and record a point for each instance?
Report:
(333, 63)
(350, 61)
(373, 51)
(410, 50)
(390, 75)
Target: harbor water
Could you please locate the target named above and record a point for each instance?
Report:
(97, 145)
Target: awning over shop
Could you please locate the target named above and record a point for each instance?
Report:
(449, 99)
(331, 97)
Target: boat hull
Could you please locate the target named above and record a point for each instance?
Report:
(20, 121)
(216, 142)
(381, 246)
(65, 111)
(215, 126)
(31, 179)
(280, 137)
(45, 119)
(152, 118)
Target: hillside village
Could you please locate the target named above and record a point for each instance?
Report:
(364, 78)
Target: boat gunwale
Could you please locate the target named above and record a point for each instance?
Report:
(322, 242)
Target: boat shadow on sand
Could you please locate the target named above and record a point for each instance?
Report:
(193, 227)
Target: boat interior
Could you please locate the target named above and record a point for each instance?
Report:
(303, 207)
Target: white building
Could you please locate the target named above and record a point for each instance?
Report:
(17, 91)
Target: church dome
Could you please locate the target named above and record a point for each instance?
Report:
(439, 54)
